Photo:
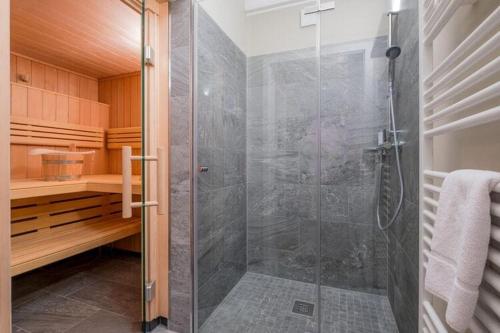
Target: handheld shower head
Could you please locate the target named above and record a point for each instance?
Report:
(393, 52)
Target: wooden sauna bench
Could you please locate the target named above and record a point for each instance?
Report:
(51, 227)
(53, 220)
(28, 188)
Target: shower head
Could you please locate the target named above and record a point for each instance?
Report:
(393, 52)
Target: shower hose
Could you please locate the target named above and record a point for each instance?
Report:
(398, 165)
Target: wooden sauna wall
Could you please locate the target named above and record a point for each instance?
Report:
(123, 94)
(47, 92)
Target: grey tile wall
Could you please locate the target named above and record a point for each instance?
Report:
(221, 145)
(180, 276)
(284, 94)
(403, 235)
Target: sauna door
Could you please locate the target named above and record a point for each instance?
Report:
(152, 159)
(153, 163)
(147, 157)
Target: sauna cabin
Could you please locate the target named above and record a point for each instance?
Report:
(85, 247)
(75, 88)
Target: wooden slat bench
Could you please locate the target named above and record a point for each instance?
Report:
(30, 188)
(48, 229)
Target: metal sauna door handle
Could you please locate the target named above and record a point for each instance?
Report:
(127, 203)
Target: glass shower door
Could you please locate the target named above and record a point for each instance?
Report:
(354, 108)
(256, 158)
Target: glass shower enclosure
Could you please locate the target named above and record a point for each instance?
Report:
(288, 96)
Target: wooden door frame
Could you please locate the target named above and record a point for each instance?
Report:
(5, 280)
(156, 125)
(157, 129)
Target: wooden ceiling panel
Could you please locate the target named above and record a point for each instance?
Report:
(99, 38)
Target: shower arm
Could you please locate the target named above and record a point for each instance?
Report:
(390, 16)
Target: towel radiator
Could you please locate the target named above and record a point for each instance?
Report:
(458, 93)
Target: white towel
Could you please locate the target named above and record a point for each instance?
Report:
(459, 246)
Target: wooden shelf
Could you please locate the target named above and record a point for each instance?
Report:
(35, 250)
(29, 188)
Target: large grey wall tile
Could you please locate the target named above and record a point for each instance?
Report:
(353, 256)
(180, 167)
(221, 146)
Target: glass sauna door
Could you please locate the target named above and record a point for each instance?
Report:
(256, 159)
(144, 179)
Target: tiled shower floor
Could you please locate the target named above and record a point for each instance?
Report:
(263, 304)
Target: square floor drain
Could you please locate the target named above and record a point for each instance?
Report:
(303, 308)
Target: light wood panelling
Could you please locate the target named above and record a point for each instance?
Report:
(49, 106)
(23, 70)
(62, 109)
(62, 82)
(78, 35)
(19, 101)
(13, 69)
(19, 161)
(85, 112)
(33, 105)
(5, 74)
(51, 228)
(122, 93)
(37, 75)
(73, 110)
(52, 78)
(35, 102)
(74, 85)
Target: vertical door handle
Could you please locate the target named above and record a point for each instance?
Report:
(161, 185)
(126, 182)
(127, 203)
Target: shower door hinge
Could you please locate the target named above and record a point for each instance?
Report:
(150, 291)
(149, 55)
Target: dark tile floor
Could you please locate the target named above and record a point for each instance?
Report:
(97, 291)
